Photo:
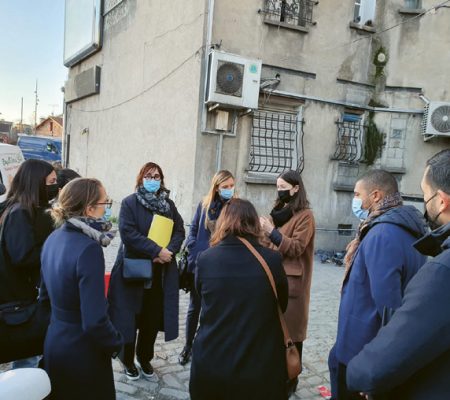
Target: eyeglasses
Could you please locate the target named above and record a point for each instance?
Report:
(108, 203)
(155, 177)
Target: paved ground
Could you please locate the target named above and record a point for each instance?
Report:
(171, 379)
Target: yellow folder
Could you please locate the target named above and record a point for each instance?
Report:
(161, 230)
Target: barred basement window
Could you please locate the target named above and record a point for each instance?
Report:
(350, 138)
(291, 12)
(276, 142)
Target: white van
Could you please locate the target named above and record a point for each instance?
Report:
(10, 159)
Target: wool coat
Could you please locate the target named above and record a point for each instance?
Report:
(297, 249)
(409, 359)
(81, 339)
(22, 239)
(126, 298)
(238, 352)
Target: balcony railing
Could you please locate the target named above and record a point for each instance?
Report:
(291, 12)
(350, 142)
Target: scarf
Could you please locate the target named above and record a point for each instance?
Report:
(281, 215)
(213, 213)
(389, 202)
(155, 202)
(96, 229)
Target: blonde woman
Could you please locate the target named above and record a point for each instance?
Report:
(202, 226)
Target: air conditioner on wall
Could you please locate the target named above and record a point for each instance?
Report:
(436, 120)
(233, 81)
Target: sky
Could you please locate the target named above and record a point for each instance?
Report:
(31, 47)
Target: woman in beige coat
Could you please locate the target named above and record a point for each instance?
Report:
(290, 230)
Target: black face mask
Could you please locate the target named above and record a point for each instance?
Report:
(52, 191)
(432, 222)
(284, 196)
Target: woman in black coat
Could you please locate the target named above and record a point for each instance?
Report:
(26, 225)
(81, 338)
(238, 352)
(134, 305)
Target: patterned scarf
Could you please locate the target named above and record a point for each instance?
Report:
(389, 202)
(155, 202)
(96, 229)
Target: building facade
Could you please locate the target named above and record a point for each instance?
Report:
(343, 88)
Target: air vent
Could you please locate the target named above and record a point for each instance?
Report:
(436, 120)
(229, 78)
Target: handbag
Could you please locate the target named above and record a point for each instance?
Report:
(293, 364)
(137, 269)
(23, 326)
(185, 278)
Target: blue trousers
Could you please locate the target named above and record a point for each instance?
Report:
(192, 317)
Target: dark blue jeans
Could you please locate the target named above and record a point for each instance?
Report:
(192, 317)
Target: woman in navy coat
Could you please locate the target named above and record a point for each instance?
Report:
(239, 351)
(133, 306)
(202, 226)
(81, 338)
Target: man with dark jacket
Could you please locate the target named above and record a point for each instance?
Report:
(410, 357)
(380, 261)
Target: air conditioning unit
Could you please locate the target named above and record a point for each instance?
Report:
(233, 81)
(436, 120)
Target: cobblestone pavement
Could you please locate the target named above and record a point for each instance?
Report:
(171, 380)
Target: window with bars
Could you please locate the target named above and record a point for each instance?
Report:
(276, 141)
(350, 138)
(291, 12)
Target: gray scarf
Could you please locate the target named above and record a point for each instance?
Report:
(155, 202)
(96, 229)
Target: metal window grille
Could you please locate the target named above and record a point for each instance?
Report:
(293, 12)
(350, 139)
(276, 142)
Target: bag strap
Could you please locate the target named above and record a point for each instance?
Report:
(287, 337)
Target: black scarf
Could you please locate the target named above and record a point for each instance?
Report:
(281, 215)
(155, 202)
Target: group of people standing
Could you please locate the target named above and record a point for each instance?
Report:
(393, 337)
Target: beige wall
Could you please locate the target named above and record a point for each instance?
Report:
(148, 102)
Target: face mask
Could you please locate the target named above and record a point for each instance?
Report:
(284, 196)
(107, 214)
(226, 194)
(52, 191)
(152, 186)
(358, 210)
(432, 222)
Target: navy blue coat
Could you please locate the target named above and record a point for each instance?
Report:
(238, 352)
(81, 338)
(199, 235)
(23, 238)
(383, 265)
(410, 356)
(126, 297)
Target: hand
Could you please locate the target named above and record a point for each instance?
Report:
(157, 260)
(266, 224)
(165, 255)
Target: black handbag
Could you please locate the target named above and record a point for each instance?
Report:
(137, 269)
(185, 278)
(23, 326)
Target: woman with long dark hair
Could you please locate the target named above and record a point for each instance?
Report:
(238, 352)
(290, 230)
(81, 339)
(134, 305)
(202, 226)
(26, 225)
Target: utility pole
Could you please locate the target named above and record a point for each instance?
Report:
(36, 100)
(21, 114)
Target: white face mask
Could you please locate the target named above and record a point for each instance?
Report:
(358, 210)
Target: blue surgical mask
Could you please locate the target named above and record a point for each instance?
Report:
(358, 210)
(226, 194)
(152, 186)
(107, 214)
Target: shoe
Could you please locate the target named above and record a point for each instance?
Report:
(146, 368)
(185, 356)
(132, 373)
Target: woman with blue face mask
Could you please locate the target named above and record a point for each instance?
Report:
(133, 305)
(202, 226)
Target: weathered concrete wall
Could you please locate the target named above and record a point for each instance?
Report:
(148, 102)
